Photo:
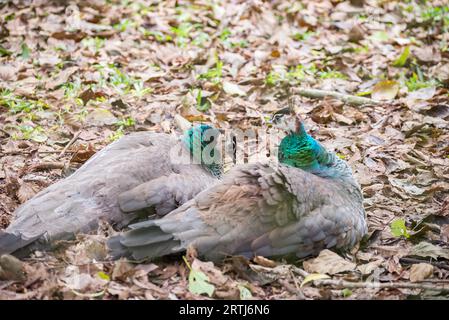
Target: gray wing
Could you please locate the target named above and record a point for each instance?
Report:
(76, 203)
(256, 209)
(166, 193)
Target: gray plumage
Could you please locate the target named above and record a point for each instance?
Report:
(76, 204)
(257, 209)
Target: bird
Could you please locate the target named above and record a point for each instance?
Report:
(155, 171)
(305, 202)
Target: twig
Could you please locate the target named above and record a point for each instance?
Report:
(46, 166)
(382, 285)
(438, 264)
(75, 136)
(372, 285)
(16, 152)
(320, 94)
(6, 284)
(5, 132)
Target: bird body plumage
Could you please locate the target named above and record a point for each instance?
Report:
(308, 202)
(130, 175)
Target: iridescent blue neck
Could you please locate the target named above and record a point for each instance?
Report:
(300, 150)
(200, 140)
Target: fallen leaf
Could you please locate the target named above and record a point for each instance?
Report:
(61, 78)
(312, 277)
(26, 191)
(420, 271)
(8, 72)
(199, 283)
(422, 94)
(122, 270)
(245, 293)
(265, 262)
(444, 234)
(426, 249)
(399, 229)
(407, 187)
(215, 275)
(385, 90)
(427, 54)
(442, 73)
(233, 89)
(400, 62)
(100, 117)
(11, 268)
(89, 94)
(356, 33)
(328, 262)
(369, 267)
(82, 153)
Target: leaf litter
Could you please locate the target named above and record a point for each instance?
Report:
(94, 71)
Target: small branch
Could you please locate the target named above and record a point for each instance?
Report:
(373, 285)
(21, 152)
(5, 132)
(347, 98)
(438, 264)
(46, 166)
(382, 285)
(75, 136)
(182, 123)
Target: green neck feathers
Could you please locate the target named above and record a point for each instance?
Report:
(200, 140)
(298, 149)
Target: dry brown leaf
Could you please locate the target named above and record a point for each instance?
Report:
(26, 191)
(427, 54)
(61, 78)
(385, 90)
(11, 268)
(8, 72)
(420, 271)
(82, 153)
(265, 262)
(369, 267)
(328, 262)
(100, 117)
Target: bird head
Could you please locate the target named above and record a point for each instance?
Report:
(201, 141)
(288, 119)
(297, 148)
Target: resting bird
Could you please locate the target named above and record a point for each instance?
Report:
(137, 170)
(307, 202)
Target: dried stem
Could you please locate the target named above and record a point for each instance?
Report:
(72, 141)
(347, 98)
(374, 285)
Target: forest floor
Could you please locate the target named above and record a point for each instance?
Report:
(77, 75)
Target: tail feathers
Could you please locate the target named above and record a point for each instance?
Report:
(116, 249)
(143, 243)
(9, 242)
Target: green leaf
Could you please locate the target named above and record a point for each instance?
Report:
(38, 136)
(380, 36)
(346, 292)
(202, 103)
(103, 276)
(25, 54)
(400, 62)
(398, 228)
(245, 293)
(198, 283)
(4, 52)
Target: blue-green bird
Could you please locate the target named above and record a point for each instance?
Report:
(142, 170)
(307, 202)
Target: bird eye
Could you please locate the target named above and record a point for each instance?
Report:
(275, 118)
